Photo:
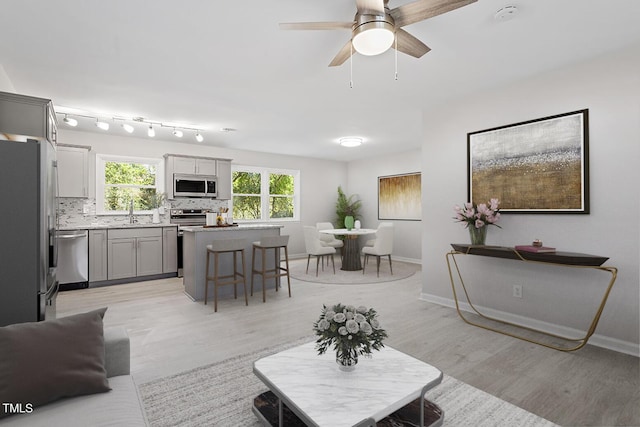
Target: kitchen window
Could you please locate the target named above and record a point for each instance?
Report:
(265, 194)
(120, 179)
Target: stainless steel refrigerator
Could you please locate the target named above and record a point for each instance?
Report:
(28, 286)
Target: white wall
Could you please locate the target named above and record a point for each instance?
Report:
(319, 179)
(610, 88)
(363, 181)
(5, 83)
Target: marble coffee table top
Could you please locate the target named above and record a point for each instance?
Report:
(319, 392)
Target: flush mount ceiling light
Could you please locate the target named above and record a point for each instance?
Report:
(373, 36)
(127, 127)
(151, 132)
(199, 137)
(178, 133)
(350, 141)
(102, 125)
(70, 121)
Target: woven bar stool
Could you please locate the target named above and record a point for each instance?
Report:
(216, 248)
(266, 243)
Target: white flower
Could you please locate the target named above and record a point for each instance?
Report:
(329, 315)
(375, 324)
(366, 328)
(350, 308)
(342, 330)
(362, 309)
(339, 318)
(349, 315)
(359, 318)
(323, 325)
(352, 326)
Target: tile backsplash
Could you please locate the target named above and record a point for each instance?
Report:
(74, 212)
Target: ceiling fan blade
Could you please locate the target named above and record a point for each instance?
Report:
(316, 25)
(410, 45)
(343, 55)
(370, 7)
(423, 9)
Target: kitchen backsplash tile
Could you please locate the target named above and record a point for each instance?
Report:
(74, 212)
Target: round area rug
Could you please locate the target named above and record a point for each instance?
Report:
(401, 270)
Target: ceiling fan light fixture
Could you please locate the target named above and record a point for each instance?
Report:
(373, 38)
(350, 141)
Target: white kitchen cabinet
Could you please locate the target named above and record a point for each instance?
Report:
(169, 250)
(134, 252)
(72, 171)
(97, 255)
(224, 179)
(194, 165)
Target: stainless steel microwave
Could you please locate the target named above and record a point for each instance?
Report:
(195, 186)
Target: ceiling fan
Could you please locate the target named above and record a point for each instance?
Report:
(375, 27)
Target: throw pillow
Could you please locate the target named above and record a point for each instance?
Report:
(45, 361)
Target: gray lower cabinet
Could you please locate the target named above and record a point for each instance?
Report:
(134, 252)
(97, 255)
(170, 250)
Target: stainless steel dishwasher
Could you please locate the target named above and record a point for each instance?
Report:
(73, 259)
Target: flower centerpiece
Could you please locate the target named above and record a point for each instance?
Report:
(352, 331)
(477, 218)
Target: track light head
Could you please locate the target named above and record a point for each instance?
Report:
(102, 125)
(199, 137)
(151, 132)
(177, 132)
(127, 127)
(70, 121)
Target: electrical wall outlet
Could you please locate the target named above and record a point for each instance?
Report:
(517, 291)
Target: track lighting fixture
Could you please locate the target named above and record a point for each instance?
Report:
(128, 123)
(102, 125)
(70, 121)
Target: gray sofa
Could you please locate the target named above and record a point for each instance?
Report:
(121, 406)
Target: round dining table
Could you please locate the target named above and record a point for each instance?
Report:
(351, 249)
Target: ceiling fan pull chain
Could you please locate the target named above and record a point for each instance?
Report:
(396, 54)
(351, 67)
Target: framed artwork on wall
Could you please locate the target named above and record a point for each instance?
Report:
(537, 166)
(400, 197)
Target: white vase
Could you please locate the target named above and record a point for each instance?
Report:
(357, 224)
(156, 216)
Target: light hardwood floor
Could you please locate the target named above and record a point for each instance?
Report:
(170, 334)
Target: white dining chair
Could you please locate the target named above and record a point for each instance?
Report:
(383, 246)
(371, 242)
(315, 248)
(328, 239)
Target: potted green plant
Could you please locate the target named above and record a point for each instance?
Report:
(347, 209)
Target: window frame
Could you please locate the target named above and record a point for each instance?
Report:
(264, 195)
(102, 159)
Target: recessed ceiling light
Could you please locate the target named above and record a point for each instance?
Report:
(127, 127)
(351, 141)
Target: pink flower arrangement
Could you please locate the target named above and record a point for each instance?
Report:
(480, 215)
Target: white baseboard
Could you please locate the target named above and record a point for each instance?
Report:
(609, 343)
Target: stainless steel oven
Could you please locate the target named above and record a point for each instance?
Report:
(186, 217)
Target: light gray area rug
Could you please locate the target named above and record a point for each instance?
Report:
(221, 395)
(401, 270)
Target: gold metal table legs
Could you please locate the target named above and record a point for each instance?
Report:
(574, 343)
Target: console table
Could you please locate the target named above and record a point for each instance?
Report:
(564, 259)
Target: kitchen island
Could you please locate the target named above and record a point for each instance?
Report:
(194, 249)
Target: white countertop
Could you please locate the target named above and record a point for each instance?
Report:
(112, 226)
(239, 227)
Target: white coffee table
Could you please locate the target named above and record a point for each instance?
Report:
(319, 394)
